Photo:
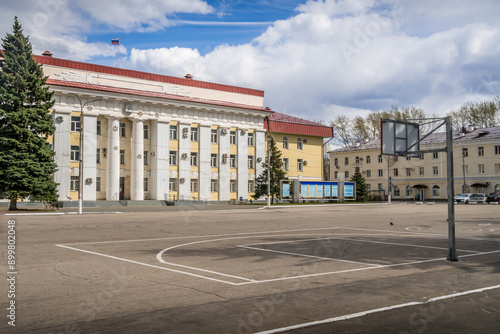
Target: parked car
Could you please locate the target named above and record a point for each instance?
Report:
(493, 197)
(477, 198)
(463, 198)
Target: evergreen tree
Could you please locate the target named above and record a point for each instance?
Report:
(26, 160)
(276, 173)
(361, 188)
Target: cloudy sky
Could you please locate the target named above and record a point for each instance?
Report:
(314, 59)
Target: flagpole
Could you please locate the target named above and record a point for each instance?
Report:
(118, 51)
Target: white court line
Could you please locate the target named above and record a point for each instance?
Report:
(377, 310)
(148, 265)
(310, 256)
(56, 213)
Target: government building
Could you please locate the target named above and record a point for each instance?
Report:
(155, 137)
(476, 154)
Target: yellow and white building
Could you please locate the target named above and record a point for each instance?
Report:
(148, 136)
(476, 157)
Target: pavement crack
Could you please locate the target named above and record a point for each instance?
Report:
(183, 286)
(70, 276)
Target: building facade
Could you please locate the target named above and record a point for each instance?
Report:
(153, 137)
(476, 166)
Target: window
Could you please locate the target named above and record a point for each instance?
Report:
(408, 158)
(74, 184)
(421, 156)
(251, 162)
(380, 172)
(368, 173)
(75, 153)
(146, 184)
(194, 185)
(346, 174)
(480, 151)
(368, 159)
(480, 169)
(300, 165)
(173, 132)
(213, 160)
(75, 123)
(435, 191)
(368, 187)
(146, 131)
(465, 152)
(251, 186)
(214, 185)
(194, 158)
(465, 169)
(233, 186)
(98, 156)
(194, 133)
(380, 159)
(421, 171)
(409, 192)
(122, 157)
(213, 136)
(98, 184)
(122, 130)
(497, 168)
(336, 162)
(435, 170)
(98, 128)
(396, 172)
(172, 184)
(232, 138)
(286, 164)
(336, 175)
(251, 141)
(285, 143)
(408, 171)
(497, 149)
(346, 161)
(173, 158)
(396, 191)
(299, 144)
(232, 161)
(145, 158)
(380, 187)
(356, 160)
(435, 155)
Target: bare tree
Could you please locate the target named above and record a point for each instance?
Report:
(343, 130)
(481, 114)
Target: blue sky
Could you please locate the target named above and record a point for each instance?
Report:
(314, 59)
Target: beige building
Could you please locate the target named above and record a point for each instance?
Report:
(476, 156)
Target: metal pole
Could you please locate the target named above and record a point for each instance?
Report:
(452, 252)
(463, 169)
(268, 172)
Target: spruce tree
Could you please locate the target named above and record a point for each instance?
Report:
(26, 160)
(361, 188)
(276, 173)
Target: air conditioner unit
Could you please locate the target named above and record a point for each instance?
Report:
(364, 172)
(185, 132)
(225, 131)
(360, 159)
(259, 159)
(337, 166)
(89, 180)
(183, 179)
(305, 141)
(305, 162)
(184, 156)
(59, 118)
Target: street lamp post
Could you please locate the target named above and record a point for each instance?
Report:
(80, 162)
(268, 171)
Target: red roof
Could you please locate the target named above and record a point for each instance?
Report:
(52, 82)
(145, 76)
(279, 122)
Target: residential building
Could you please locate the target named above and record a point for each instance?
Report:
(476, 156)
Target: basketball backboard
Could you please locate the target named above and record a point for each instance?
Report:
(399, 138)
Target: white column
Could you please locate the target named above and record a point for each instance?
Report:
(113, 163)
(62, 148)
(224, 168)
(137, 175)
(204, 177)
(159, 159)
(243, 163)
(260, 151)
(184, 161)
(89, 157)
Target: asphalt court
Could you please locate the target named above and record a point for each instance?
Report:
(273, 256)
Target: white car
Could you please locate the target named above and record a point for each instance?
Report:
(477, 198)
(463, 198)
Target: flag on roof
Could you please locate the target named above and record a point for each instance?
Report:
(115, 41)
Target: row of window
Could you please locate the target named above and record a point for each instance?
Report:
(435, 155)
(172, 185)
